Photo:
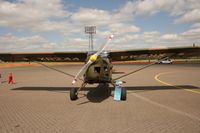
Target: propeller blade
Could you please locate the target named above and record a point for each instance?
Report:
(104, 46)
(82, 71)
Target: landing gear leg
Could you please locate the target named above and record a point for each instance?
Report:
(74, 92)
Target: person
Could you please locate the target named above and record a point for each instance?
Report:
(0, 78)
(10, 79)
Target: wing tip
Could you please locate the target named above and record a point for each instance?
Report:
(74, 81)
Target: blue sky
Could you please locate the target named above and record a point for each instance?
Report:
(58, 25)
(95, 4)
(162, 22)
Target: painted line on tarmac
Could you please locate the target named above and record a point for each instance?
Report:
(193, 117)
(165, 83)
(166, 107)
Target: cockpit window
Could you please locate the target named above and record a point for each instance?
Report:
(97, 69)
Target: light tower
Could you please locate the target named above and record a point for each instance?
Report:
(90, 30)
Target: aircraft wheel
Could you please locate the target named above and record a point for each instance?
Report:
(73, 94)
(123, 94)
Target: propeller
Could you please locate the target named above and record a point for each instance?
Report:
(92, 59)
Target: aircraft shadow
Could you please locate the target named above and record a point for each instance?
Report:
(102, 91)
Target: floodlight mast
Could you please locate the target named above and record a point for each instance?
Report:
(90, 30)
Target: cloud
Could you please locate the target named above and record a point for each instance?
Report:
(102, 18)
(154, 39)
(169, 37)
(91, 17)
(125, 13)
(64, 28)
(153, 6)
(75, 44)
(196, 25)
(10, 43)
(147, 7)
(40, 17)
(36, 43)
(30, 14)
(151, 34)
(109, 22)
(186, 11)
(192, 34)
(191, 16)
(121, 28)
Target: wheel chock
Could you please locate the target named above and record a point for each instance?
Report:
(117, 93)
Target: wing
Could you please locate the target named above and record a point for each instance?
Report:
(54, 57)
(114, 55)
(154, 53)
(48, 57)
(161, 54)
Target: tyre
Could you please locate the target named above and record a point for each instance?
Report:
(73, 94)
(123, 94)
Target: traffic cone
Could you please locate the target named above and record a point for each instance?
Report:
(0, 78)
(10, 78)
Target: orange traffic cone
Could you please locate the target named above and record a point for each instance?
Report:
(10, 78)
(0, 78)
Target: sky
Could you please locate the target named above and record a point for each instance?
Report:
(58, 25)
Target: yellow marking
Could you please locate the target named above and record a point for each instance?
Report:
(192, 91)
(165, 83)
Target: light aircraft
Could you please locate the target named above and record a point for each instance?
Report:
(98, 67)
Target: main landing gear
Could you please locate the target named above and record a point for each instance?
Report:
(74, 92)
(119, 93)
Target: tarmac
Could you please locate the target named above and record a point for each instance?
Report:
(160, 99)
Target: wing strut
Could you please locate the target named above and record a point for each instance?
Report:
(140, 68)
(70, 75)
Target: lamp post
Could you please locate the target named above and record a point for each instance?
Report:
(90, 30)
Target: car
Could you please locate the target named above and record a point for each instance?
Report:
(167, 61)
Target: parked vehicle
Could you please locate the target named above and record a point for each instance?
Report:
(167, 61)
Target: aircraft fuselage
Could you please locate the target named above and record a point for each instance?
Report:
(99, 72)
